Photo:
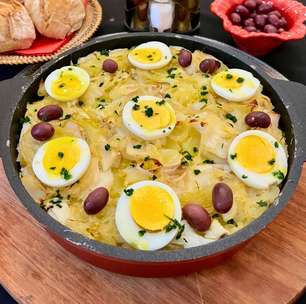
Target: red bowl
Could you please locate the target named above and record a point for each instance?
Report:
(259, 44)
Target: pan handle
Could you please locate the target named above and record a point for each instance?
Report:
(295, 93)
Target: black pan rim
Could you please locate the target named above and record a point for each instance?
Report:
(161, 256)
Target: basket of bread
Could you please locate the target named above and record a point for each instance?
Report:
(33, 31)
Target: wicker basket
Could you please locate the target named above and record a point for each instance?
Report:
(90, 25)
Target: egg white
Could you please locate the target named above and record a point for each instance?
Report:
(76, 172)
(164, 49)
(259, 180)
(243, 93)
(128, 229)
(80, 73)
(139, 131)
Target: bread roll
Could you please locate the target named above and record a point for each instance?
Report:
(16, 27)
(56, 18)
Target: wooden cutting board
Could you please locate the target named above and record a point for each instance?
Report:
(36, 270)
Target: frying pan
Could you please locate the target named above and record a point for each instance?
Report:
(289, 99)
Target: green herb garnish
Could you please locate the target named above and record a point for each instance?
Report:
(196, 171)
(107, 147)
(104, 52)
(154, 177)
(167, 96)
(271, 162)
(279, 174)
(129, 192)
(136, 107)
(141, 233)
(276, 145)
(187, 155)
(137, 146)
(25, 119)
(65, 174)
(174, 223)
(60, 154)
(244, 176)
(135, 99)
(52, 168)
(232, 222)
(195, 149)
(208, 161)
(231, 117)
(160, 102)
(240, 80)
(262, 203)
(149, 112)
(233, 156)
(229, 76)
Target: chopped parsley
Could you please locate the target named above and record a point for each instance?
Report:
(136, 107)
(229, 76)
(80, 103)
(52, 168)
(276, 145)
(195, 149)
(141, 232)
(62, 85)
(271, 162)
(60, 154)
(100, 106)
(174, 223)
(187, 155)
(171, 73)
(67, 116)
(231, 117)
(279, 174)
(104, 52)
(167, 96)
(203, 100)
(25, 119)
(135, 99)
(174, 86)
(208, 161)
(129, 192)
(107, 147)
(137, 146)
(262, 203)
(232, 222)
(160, 102)
(203, 93)
(240, 80)
(196, 171)
(65, 174)
(233, 156)
(149, 112)
(146, 158)
(154, 177)
(244, 176)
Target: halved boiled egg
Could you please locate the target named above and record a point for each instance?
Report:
(235, 85)
(67, 83)
(149, 117)
(150, 55)
(258, 159)
(146, 215)
(62, 161)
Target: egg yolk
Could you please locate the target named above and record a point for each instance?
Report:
(153, 115)
(151, 207)
(147, 55)
(68, 86)
(229, 80)
(256, 154)
(61, 153)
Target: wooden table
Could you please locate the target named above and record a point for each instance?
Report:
(36, 270)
